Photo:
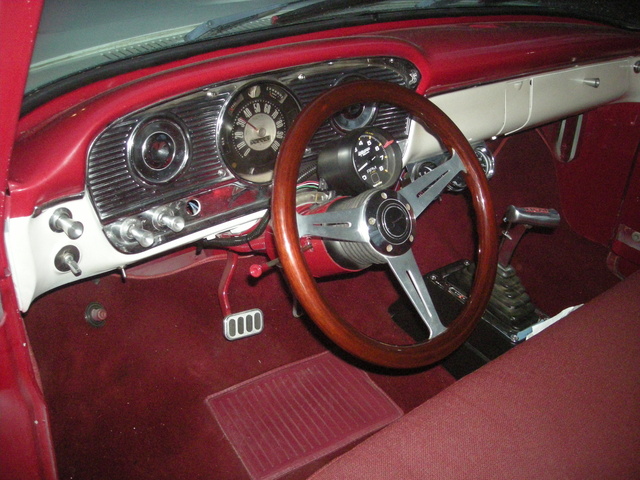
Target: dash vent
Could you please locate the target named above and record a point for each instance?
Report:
(142, 48)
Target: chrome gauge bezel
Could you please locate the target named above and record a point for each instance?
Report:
(365, 117)
(354, 116)
(166, 129)
(487, 162)
(458, 184)
(255, 164)
(486, 159)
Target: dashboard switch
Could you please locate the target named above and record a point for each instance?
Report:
(62, 221)
(132, 230)
(142, 236)
(165, 217)
(67, 259)
(175, 223)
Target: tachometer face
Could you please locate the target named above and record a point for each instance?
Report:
(371, 159)
(253, 127)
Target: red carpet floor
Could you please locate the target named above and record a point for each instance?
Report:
(127, 401)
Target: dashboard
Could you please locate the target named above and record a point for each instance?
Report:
(208, 156)
(170, 158)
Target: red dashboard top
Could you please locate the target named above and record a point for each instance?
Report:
(50, 155)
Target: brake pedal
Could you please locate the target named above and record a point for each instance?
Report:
(243, 324)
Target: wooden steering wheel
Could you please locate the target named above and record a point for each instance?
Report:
(401, 208)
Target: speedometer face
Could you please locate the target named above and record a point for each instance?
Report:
(253, 127)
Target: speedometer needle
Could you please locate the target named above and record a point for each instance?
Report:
(252, 126)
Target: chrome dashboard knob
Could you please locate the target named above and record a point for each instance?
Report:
(62, 221)
(164, 217)
(175, 223)
(132, 230)
(144, 237)
(67, 259)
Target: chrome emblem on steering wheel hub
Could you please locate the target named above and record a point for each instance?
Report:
(391, 223)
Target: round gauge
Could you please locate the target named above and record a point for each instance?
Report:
(373, 160)
(354, 116)
(252, 128)
(363, 160)
(487, 162)
(158, 149)
(417, 170)
(486, 159)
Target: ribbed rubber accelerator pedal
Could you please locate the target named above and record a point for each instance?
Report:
(243, 324)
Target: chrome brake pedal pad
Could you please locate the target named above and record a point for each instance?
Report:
(243, 324)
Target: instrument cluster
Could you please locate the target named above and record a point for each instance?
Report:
(208, 156)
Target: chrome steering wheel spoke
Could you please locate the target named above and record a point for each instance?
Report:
(425, 189)
(408, 274)
(346, 225)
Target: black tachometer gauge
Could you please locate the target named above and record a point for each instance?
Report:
(367, 158)
(253, 127)
(372, 158)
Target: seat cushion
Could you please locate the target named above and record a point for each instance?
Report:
(563, 405)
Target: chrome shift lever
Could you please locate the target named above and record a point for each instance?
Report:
(532, 216)
(519, 220)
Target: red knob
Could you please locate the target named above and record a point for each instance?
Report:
(256, 270)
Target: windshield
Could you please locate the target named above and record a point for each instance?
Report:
(75, 36)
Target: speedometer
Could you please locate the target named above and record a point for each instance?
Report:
(253, 127)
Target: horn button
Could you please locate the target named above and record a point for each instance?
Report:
(390, 222)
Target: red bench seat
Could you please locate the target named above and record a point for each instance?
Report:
(563, 405)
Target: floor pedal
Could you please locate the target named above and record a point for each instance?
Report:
(243, 324)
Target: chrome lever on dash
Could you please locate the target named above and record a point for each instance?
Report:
(592, 82)
(67, 259)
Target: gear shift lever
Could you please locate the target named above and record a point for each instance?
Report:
(509, 300)
(522, 219)
(510, 309)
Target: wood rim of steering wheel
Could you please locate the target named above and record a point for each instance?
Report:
(296, 268)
